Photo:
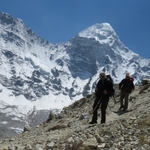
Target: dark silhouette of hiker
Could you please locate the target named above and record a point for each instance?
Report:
(102, 91)
(126, 86)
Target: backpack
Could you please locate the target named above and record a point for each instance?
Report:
(131, 78)
(109, 78)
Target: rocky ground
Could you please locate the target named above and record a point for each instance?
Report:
(70, 130)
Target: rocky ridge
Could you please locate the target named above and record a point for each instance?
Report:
(69, 130)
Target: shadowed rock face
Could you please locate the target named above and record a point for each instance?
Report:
(12, 125)
(6, 132)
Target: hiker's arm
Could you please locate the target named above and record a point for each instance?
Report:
(109, 88)
(133, 87)
(96, 90)
(120, 85)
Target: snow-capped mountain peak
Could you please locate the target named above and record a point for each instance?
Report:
(99, 32)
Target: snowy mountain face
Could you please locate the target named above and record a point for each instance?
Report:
(37, 76)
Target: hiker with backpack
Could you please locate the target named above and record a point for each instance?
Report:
(126, 86)
(102, 92)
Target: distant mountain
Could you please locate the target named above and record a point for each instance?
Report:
(39, 76)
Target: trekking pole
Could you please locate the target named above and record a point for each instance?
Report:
(91, 112)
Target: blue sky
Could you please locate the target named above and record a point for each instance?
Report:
(60, 20)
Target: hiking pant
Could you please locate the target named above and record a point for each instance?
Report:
(104, 103)
(124, 96)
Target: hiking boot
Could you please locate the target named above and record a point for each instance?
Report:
(102, 122)
(93, 122)
(124, 109)
(121, 108)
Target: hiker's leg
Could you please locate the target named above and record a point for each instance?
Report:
(103, 109)
(122, 96)
(114, 98)
(94, 118)
(126, 100)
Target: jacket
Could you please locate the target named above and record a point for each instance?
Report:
(103, 85)
(126, 85)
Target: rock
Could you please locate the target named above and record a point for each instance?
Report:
(28, 147)
(145, 87)
(90, 143)
(50, 145)
(145, 81)
(26, 128)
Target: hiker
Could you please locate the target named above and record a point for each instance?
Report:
(102, 91)
(126, 86)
